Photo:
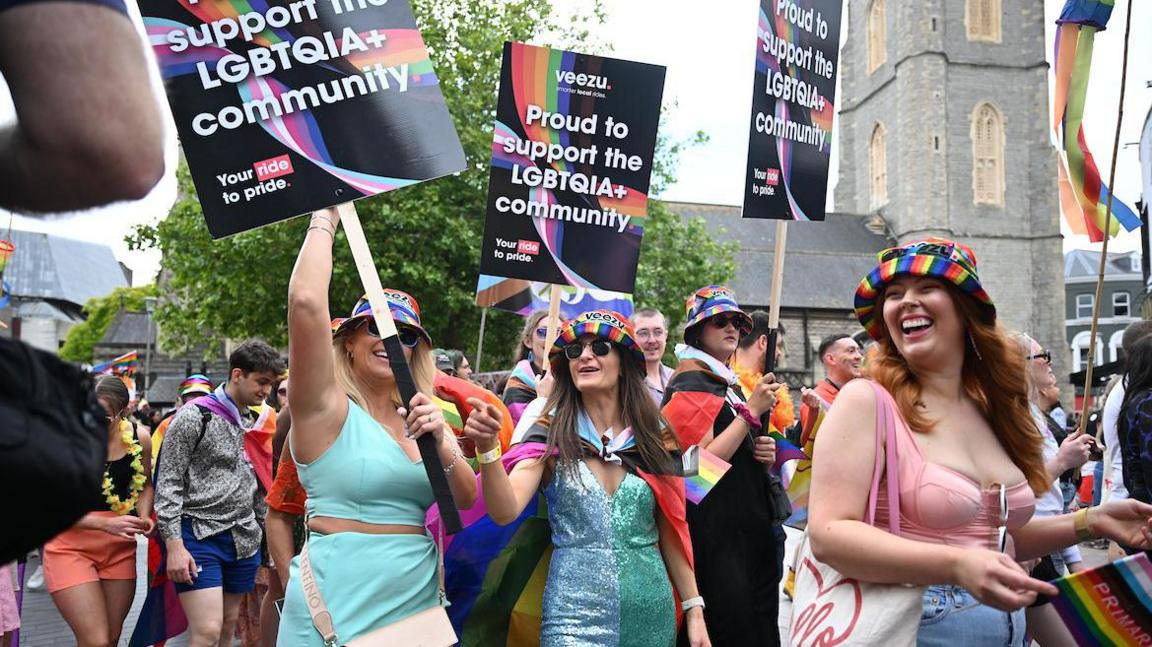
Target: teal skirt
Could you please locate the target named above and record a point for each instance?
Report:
(367, 581)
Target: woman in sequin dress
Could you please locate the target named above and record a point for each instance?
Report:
(615, 506)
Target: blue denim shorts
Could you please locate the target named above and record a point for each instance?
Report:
(952, 617)
(218, 564)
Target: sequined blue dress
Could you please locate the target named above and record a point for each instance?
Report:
(607, 584)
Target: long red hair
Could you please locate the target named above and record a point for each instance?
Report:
(994, 376)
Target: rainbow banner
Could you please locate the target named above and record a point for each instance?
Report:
(525, 297)
(1083, 194)
(710, 470)
(793, 102)
(572, 155)
(1109, 605)
(273, 102)
(126, 364)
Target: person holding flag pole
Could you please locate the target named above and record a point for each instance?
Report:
(368, 562)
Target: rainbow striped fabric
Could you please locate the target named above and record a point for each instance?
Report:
(1083, 195)
(126, 364)
(711, 469)
(1109, 605)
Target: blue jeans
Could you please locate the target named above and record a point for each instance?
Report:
(1097, 482)
(952, 617)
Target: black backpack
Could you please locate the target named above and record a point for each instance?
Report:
(53, 446)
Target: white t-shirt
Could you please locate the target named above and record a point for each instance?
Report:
(1051, 503)
(1113, 488)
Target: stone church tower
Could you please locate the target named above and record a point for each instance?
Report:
(944, 130)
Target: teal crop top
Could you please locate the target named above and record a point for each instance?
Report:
(366, 476)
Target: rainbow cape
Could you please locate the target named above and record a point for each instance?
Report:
(1083, 195)
(126, 364)
(1110, 604)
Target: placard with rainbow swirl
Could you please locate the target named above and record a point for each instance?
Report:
(284, 108)
(793, 101)
(572, 153)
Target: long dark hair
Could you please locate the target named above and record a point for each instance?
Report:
(1138, 376)
(637, 410)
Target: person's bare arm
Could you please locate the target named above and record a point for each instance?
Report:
(88, 129)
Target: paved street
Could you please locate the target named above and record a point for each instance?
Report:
(43, 626)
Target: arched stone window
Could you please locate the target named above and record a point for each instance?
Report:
(987, 155)
(878, 166)
(1080, 351)
(982, 19)
(877, 42)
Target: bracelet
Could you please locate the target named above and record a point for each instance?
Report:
(751, 420)
(326, 219)
(330, 232)
(692, 603)
(490, 456)
(456, 456)
(1080, 524)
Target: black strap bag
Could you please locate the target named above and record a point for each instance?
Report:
(53, 445)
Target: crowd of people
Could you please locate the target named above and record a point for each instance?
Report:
(300, 517)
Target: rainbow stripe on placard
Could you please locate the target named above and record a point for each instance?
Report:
(712, 469)
(1109, 605)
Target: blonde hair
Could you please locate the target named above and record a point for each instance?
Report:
(422, 365)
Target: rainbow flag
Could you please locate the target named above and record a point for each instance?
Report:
(797, 476)
(785, 450)
(1083, 194)
(711, 469)
(126, 364)
(1109, 605)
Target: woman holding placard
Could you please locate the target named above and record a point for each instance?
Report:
(963, 466)
(609, 473)
(732, 529)
(368, 560)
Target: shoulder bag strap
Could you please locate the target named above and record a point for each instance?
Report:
(887, 460)
(321, 618)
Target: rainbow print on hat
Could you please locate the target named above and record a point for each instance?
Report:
(605, 324)
(710, 301)
(933, 257)
(195, 383)
(403, 306)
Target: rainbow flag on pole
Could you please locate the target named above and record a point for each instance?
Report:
(126, 364)
(1083, 194)
(1109, 605)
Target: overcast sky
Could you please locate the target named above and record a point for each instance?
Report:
(709, 56)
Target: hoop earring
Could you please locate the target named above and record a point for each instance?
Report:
(972, 343)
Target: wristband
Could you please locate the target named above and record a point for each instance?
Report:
(1080, 523)
(746, 414)
(692, 603)
(490, 456)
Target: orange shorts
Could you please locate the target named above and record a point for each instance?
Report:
(80, 555)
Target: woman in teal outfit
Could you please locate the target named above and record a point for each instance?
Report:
(353, 441)
(615, 497)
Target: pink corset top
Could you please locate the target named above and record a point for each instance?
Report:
(943, 506)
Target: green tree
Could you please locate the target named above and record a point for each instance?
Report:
(424, 238)
(100, 313)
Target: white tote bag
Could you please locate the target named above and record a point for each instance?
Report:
(830, 609)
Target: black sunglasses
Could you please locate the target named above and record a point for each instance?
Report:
(1044, 355)
(600, 348)
(408, 336)
(722, 321)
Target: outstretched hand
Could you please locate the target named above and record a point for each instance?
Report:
(484, 424)
(1127, 522)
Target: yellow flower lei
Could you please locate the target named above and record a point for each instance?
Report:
(136, 485)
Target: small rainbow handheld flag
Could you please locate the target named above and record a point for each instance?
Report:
(1109, 605)
(126, 364)
(710, 469)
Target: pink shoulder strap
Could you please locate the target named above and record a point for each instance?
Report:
(887, 459)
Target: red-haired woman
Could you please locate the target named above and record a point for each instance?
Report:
(970, 456)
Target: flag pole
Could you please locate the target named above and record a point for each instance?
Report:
(1087, 403)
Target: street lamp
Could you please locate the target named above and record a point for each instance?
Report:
(150, 308)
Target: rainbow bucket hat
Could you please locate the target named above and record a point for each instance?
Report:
(933, 257)
(710, 301)
(604, 324)
(196, 383)
(404, 308)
